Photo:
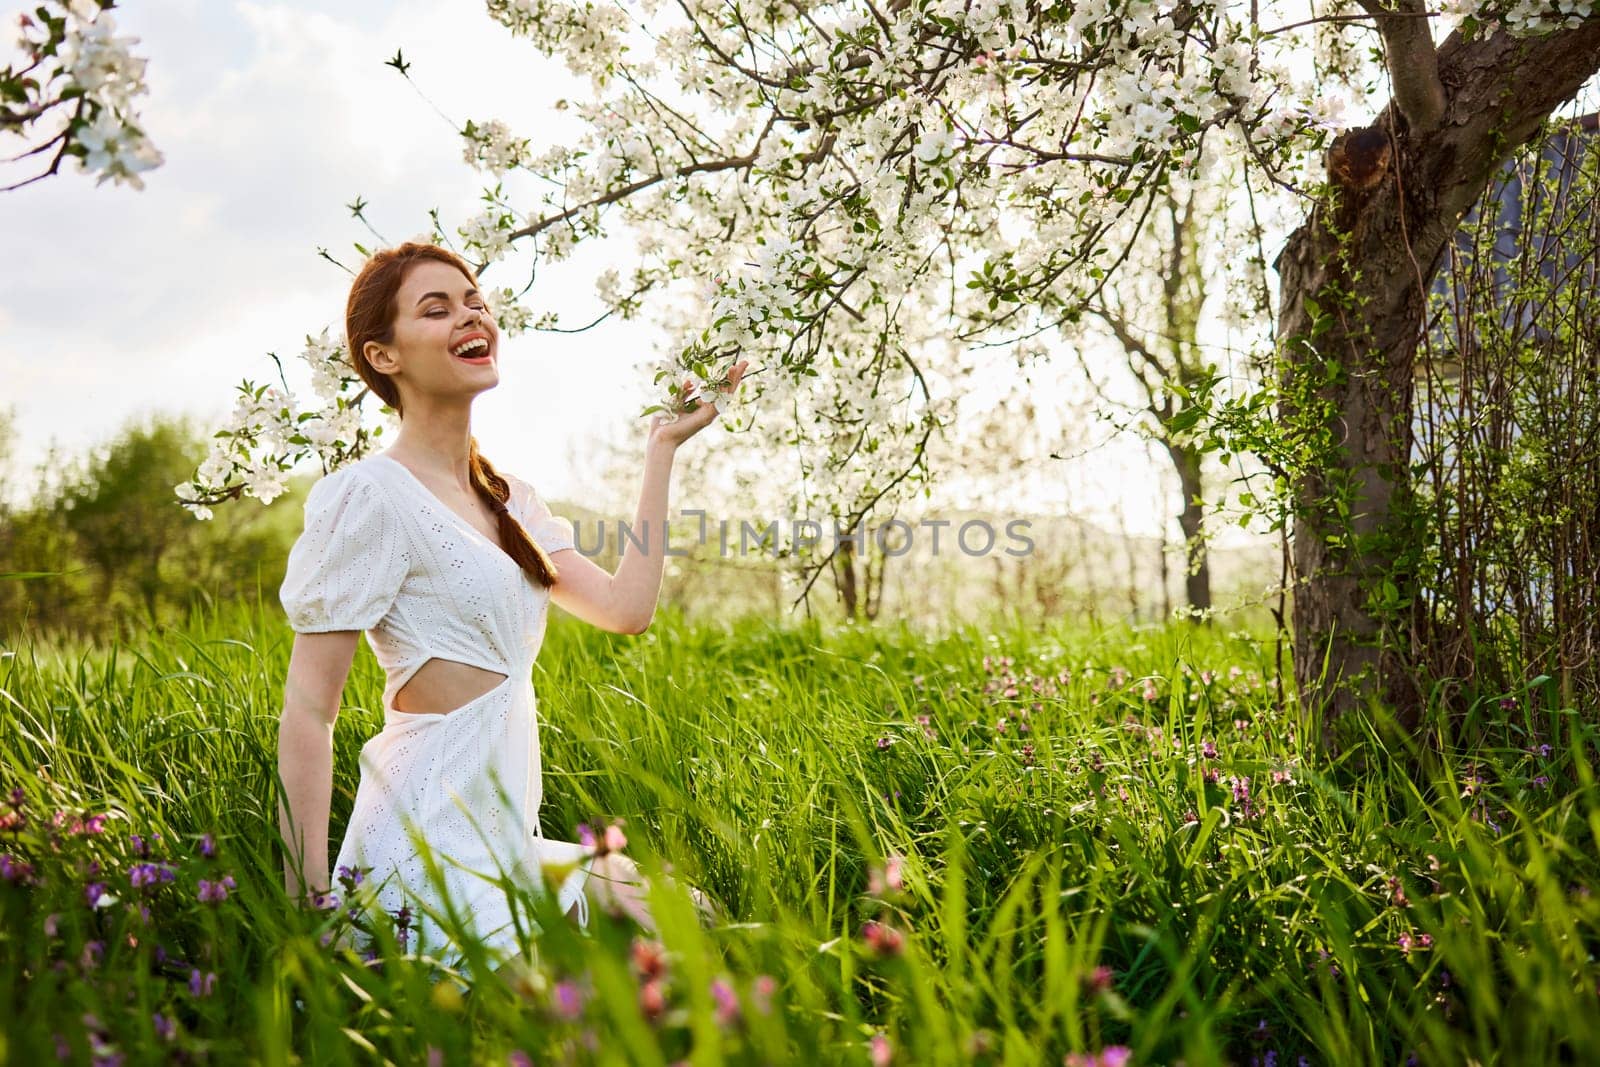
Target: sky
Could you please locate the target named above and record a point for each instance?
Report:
(272, 117)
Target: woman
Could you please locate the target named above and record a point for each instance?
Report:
(449, 567)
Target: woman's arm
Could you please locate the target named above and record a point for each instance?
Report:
(318, 667)
(625, 602)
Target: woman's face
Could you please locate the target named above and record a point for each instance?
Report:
(438, 311)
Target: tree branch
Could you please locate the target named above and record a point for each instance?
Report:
(1413, 63)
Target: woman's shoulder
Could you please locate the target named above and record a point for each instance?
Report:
(521, 489)
(354, 483)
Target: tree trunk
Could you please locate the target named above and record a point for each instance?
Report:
(1354, 279)
(1197, 574)
(844, 576)
(872, 585)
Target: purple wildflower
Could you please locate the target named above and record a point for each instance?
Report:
(144, 874)
(1241, 796)
(201, 985)
(208, 845)
(1408, 941)
(15, 870)
(568, 999)
(1209, 750)
(215, 892)
(727, 1012)
(165, 1027)
(93, 953)
(95, 893)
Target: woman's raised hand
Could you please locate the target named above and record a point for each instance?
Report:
(692, 419)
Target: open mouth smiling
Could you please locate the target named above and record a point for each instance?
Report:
(474, 349)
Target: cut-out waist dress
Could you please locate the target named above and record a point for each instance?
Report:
(382, 554)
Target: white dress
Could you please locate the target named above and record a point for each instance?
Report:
(381, 553)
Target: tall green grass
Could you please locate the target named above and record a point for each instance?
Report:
(1108, 840)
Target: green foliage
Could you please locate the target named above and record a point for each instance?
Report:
(1509, 428)
(1107, 838)
(103, 544)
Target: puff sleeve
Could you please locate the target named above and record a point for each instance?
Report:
(552, 532)
(345, 570)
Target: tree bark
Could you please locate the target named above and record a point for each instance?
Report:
(1354, 279)
(872, 584)
(1197, 573)
(844, 577)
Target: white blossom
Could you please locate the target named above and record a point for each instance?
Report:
(488, 233)
(330, 371)
(491, 147)
(792, 207)
(91, 60)
(512, 317)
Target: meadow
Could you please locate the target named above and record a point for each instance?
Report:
(998, 844)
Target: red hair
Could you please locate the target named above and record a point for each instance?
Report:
(370, 316)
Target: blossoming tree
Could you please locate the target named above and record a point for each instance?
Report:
(845, 193)
(78, 81)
